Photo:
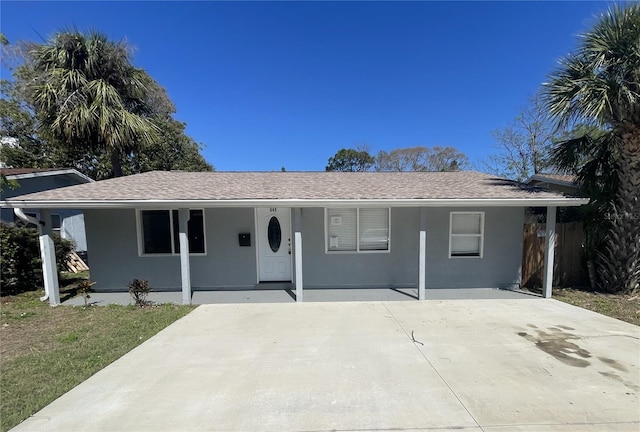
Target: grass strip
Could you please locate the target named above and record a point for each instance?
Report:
(47, 351)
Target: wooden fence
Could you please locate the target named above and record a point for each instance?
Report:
(569, 266)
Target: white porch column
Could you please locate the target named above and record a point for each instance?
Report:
(422, 256)
(297, 248)
(549, 249)
(422, 269)
(48, 255)
(185, 272)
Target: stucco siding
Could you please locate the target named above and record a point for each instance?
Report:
(227, 264)
(397, 268)
(112, 242)
(113, 247)
(500, 264)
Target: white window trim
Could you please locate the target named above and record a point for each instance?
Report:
(481, 235)
(140, 233)
(357, 251)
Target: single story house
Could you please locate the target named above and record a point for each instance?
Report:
(238, 230)
(69, 223)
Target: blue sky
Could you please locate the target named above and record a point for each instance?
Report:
(270, 84)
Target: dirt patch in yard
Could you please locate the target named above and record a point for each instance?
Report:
(624, 307)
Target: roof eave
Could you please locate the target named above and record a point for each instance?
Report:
(72, 172)
(174, 204)
(550, 180)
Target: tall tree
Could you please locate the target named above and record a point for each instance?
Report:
(523, 146)
(19, 143)
(403, 159)
(173, 150)
(350, 160)
(86, 94)
(588, 152)
(421, 159)
(600, 84)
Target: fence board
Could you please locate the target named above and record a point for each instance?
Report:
(569, 268)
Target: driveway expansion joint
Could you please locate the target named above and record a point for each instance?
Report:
(413, 341)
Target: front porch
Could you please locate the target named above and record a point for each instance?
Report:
(409, 271)
(311, 295)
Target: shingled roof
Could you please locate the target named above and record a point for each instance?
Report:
(300, 187)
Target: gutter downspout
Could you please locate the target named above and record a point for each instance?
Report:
(30, 219)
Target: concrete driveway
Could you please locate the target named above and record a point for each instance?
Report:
(473, 365)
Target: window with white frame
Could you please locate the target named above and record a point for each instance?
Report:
(466, 234)
(159, 231)
(357, 230)
(56, 222)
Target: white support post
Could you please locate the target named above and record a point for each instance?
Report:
(549, 249)
(48, 255)
(183, 227)
(298, 251)
(422, 266)
(422, 256)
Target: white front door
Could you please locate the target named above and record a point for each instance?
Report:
(274, 243)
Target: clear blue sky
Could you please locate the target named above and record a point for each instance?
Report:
(265, 85)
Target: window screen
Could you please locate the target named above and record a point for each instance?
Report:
(341, 230)
(374, 229)
(466, 234)
(356, 230)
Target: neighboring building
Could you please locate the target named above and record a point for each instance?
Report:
(564, 183)
(69, 223)
(237, 230)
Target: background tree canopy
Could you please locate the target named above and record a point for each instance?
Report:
(350, 160)
(77, 101)
(401, 159)
(523, 146)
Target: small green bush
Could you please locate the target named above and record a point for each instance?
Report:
(20, 263)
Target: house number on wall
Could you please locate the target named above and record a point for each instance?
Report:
(273, 210)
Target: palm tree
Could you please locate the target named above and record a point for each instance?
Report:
(88, 96)
(600, 84)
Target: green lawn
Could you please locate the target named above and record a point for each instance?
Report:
(47, 351)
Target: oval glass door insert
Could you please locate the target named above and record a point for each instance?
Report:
(274, 234)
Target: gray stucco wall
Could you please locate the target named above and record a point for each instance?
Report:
(397, 268)
(113, 248)
(112, 242)
(502, 258)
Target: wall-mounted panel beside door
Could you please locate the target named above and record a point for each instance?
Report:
(273, 228)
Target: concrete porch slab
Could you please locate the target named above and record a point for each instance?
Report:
(310, 295)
